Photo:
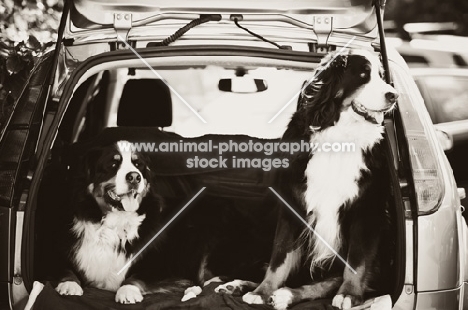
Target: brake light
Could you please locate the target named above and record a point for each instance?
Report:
(422, 143)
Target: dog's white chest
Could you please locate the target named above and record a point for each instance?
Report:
(332, 178)
(97, 253)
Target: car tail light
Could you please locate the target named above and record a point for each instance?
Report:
(422, 143)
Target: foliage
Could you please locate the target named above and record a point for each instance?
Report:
(16, 61)
(24, 25)
(21, 18)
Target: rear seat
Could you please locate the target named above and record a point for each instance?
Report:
(170, 168)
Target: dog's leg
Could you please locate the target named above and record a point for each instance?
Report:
(363, 248)
(285, 258)
(147, 276)
(69, 284)
(129, 293)
(283, 297)
(236, 287)
(134, 288)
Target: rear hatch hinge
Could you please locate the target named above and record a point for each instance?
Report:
(323, 27)
(122, 25)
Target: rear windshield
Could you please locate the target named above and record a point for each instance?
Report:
(257, 102)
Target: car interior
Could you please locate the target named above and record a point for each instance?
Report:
(134, 104)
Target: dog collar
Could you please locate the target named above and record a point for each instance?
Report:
(314, 128)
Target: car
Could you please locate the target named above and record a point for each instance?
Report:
(434, 51)
(431, 45)
(445, 94)
(231, 70)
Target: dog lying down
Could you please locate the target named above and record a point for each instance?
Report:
(116, 213)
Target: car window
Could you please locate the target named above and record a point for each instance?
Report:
(449, 97)
(459, 60)
(415, 59)
(225, 112)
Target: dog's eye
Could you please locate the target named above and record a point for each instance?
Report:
(138, 164)
(364, 74)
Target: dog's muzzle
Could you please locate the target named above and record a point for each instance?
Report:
(116, 200)
(360, 109)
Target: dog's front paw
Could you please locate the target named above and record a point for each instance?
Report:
(69, 288)
(128, 294)
(281, 299)
(212, 280)
(253, 299)
(344, 302)
(191, 292)
(231, 288)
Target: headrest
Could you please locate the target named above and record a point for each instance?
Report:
(145, 103)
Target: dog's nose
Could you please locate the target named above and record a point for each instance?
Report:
(133, 177)
(391, 96)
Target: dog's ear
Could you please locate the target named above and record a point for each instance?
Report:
(320, 94)
(331, 70)
(89, 162)
(146, 159)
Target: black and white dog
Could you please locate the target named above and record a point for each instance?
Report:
(343, 196)
(115, 214)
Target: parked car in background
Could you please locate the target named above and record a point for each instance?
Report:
(427, 51)
(429, 44)
(445, 93)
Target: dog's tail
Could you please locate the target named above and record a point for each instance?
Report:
(170, 286)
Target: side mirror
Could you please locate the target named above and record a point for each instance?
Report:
(445, 139)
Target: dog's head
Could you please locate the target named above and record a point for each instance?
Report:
(347, 81)
(118, 178)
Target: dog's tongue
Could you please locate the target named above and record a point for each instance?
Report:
(379, 117)
(129, 201)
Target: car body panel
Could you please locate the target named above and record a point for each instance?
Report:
(440, 242)
(7, 225)
(439, 251)
(406, 301)
(317, 22)
(350, 16)
(17, 148)
(447, 299)
(97, 26)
